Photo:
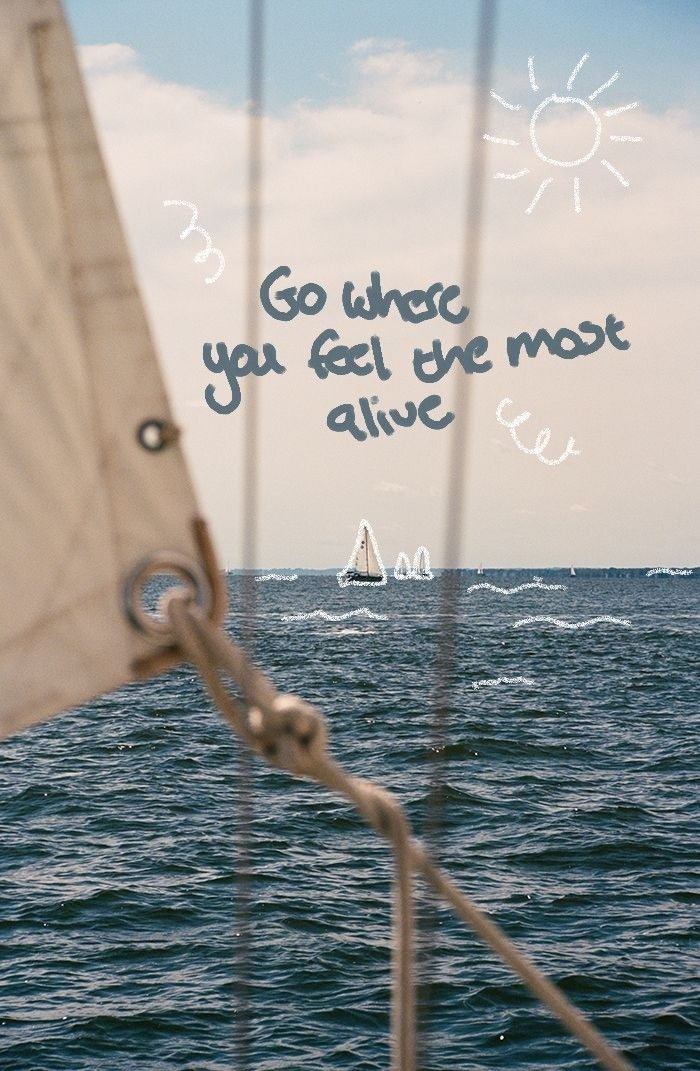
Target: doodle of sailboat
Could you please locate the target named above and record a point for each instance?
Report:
(402, 569)
(421, 565)
(365, 564)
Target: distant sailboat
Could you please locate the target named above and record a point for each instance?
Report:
(572, 571)
(365, 565)
(402, 569)
(480, 570)
(421, 565)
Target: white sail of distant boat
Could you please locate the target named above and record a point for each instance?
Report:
(421, 565)
(92, 479)
(402, 569)
(365, 564)
(480, 570)
(572, 571)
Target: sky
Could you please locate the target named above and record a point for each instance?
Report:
(365, 142)
(204, 43)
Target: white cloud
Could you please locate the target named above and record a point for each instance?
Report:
(377, 44)
(99, 59)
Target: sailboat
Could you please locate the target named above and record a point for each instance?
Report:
(365, 564)
(421, 565)
(109, 505)
(572, 571)
(480, 570)
(402, 569)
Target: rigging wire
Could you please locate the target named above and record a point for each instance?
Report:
(449, 592)
(249, 519)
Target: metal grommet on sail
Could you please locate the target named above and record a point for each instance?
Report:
(195, 586)
(155, 435)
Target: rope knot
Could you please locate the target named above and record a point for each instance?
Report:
(290, 733)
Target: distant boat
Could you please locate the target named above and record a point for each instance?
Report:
(572, 571)
(421, 565)
(480, 570)
(365, 565)
(402, 569)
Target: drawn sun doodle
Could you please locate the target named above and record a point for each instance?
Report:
(559, 106)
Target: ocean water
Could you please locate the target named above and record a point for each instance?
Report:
(570, 817)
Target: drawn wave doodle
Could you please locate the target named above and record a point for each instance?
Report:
(536, 582)
(191, 227)
(543, 436)
(364, 611)
(501, 680)
(541, 619)
(662, 571)
(275, 576)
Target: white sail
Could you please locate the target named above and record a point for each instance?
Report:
(402, 569)
(365, 564)
(82, 499)
(421, 565)
(368, 564)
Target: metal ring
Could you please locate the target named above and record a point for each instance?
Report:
(154, 435)
(172, 563)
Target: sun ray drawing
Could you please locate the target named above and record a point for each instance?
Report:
(559, 106)
(505, 103)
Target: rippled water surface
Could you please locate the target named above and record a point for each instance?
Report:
(569, 818)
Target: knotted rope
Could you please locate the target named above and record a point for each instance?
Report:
(292, 735)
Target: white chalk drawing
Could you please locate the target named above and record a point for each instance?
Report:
(514, 175)
(573, 624)
(505, 103)
(365, 565)
(275, 576)
(421, 565)
(402, 569)
(540, 190)
(323, 615)
(190, 229)
(613, 171)
(663, 571)
(501, 680)
(536, 582)
(544, 110)
(531, 74)
(500, 141)
(541, 441)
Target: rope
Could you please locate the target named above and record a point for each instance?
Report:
(291, 735)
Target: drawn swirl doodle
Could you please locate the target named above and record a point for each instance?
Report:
(541, 441)
(191, 228)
